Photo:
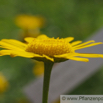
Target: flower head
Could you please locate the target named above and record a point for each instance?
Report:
(44, 48)
(29, 21)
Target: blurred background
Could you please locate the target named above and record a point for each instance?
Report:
(59, 18)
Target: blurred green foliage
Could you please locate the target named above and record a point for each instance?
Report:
(77, 18)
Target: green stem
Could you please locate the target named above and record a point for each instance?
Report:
(48, 67)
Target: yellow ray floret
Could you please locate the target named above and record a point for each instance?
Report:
(45, 48)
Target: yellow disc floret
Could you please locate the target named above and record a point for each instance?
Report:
(49, 47)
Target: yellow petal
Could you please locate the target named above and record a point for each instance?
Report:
(65, 55)
(88, 55)
(5, 52)
(8, 46)
(29, 39)
(78, 59)
(89, 45)
(14, 53)
(69, 39)
(49, 58)
(12, 44)
(80, 54)
(25, 54)
(75, 43)
(43, 36)
(71, 56)
(83, 44)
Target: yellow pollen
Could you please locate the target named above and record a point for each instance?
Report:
(49, 47)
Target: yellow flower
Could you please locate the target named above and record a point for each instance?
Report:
(30, 25)
(44, 48)
(38, 68)
(3, 83)
(29, 21)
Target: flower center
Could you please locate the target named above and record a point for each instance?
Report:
(49, 47)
